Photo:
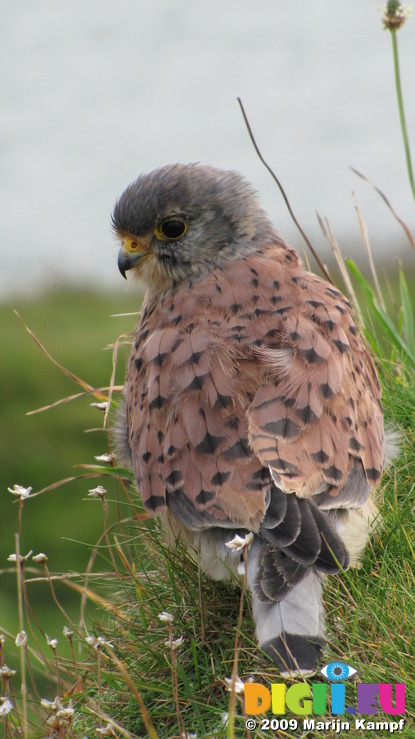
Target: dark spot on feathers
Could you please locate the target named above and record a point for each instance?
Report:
(258, 479)
(232, 422)
(333, 473)
(340, 309)
(138, 363)
(254, 282)
(239, 450)
(146, 456)
(223, 400)
(157, 403)
(289, 402)
(159, 359)
(326, 390)
(330, 325)
(190, 328)
(235, 307)
(276, 284)
(177, 320)
(204, 497)
(294, 335)
(197, 382)
(285, 428)
(220, 478)
(281, 311)
(342, 347)
(154, 502)
(311, 355)
(209, 444)
(353, 330)
(373, 474)
(354, 444)
(315, 303)
(307, 415)
(275, 299)
(160, 436)
(334, 293)
(320, 457)
(174, 478)
(194, 358)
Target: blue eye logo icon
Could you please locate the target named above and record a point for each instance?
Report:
(338, 671)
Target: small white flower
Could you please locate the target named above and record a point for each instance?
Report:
(238, 543)
(48, 705)
(52, 643)
(239, 685)
(66, 713)
(166, 618)
(108, 730)
(22, 558)
(6, 706)
(6, 672)
(54, 722)
(67, 632)
(188, 736)
(174, 643)
(40, 558)
(20, 491)
(96, 642)
(106, 458)
(100, 406)
(98, 492)
(21, 639)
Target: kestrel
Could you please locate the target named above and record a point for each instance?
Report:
(252, 404)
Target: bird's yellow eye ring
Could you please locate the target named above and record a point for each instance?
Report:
(171, 229)
(133, 246)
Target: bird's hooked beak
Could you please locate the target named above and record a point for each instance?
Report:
(131, 251)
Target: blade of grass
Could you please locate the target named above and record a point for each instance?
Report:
(407, 312)
(389, 205)
(381, 315)
(366, 244)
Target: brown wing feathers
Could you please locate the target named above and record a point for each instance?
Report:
(254, 368)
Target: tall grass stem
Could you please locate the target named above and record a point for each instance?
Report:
(21, 628)
(402, 111)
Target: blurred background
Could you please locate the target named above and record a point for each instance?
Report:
(94, 93)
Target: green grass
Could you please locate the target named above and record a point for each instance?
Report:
(134, 577)
(41, 449)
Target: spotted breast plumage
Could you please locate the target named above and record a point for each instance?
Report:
(252, 403)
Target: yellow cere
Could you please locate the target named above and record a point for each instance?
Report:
(131, 245)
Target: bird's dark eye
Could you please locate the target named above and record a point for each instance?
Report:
(173, 229)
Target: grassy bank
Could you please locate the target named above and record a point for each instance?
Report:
(130, 679)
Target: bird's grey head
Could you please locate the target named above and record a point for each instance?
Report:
(182, 220)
